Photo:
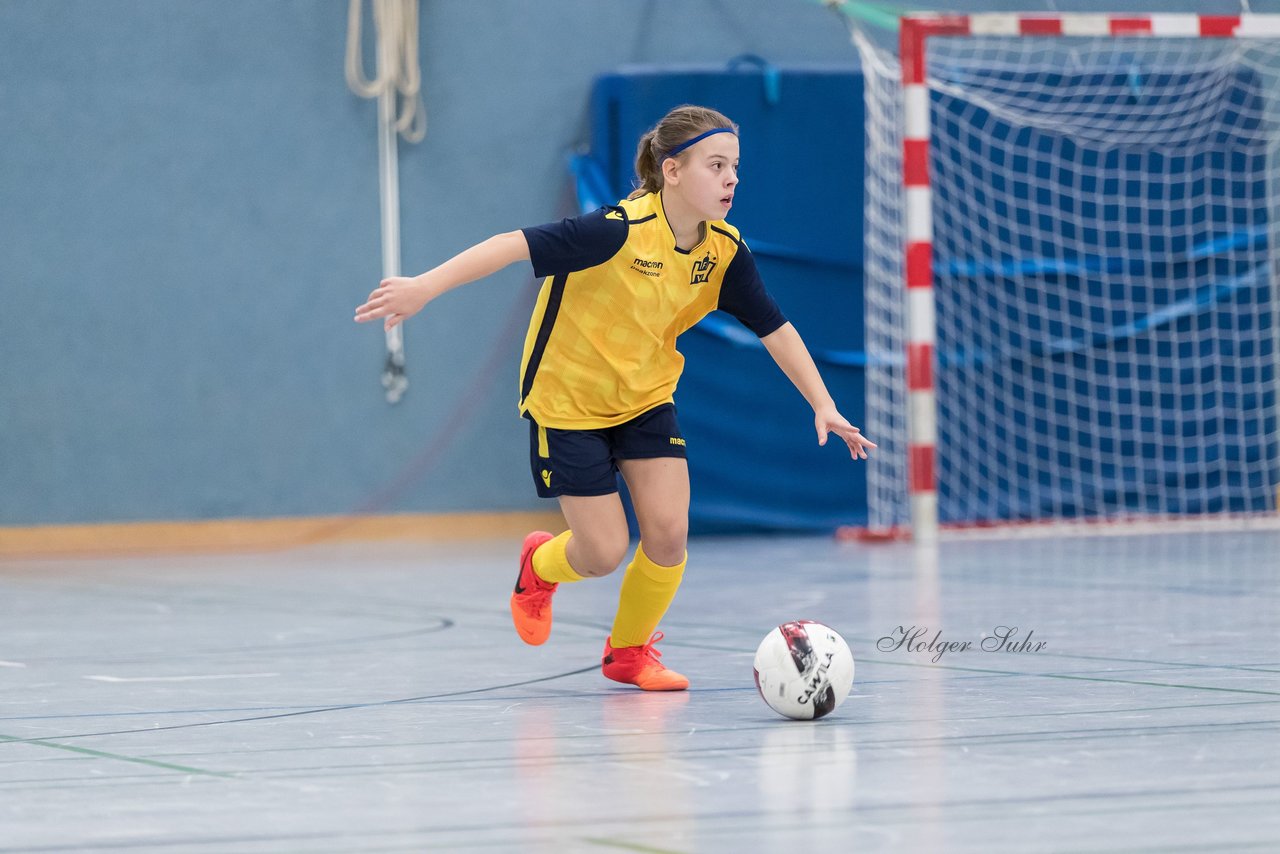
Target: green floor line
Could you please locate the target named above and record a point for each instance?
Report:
(101, 754)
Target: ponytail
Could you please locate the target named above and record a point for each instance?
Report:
(648, 167)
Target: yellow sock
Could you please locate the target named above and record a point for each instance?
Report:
(647, 591)
(551, 564)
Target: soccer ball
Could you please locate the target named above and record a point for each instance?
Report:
(804, 670)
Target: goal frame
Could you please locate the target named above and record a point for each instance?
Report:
(918, 272)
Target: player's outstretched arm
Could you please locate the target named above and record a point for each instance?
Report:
(787, 349)
(400, 297)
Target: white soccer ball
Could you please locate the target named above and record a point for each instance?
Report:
(804, 670)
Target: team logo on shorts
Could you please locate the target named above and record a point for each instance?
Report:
(702, 269)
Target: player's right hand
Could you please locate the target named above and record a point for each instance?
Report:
(393, 300)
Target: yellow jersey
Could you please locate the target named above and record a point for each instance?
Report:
(617, 292)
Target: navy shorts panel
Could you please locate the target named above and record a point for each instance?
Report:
(651, 434)
(579, 462)
(585, 462)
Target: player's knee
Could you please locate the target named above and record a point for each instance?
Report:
(600, 554)
(665, 542)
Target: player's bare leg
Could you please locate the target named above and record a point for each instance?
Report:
(600, 536)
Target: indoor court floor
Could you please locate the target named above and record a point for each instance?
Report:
(362, 697)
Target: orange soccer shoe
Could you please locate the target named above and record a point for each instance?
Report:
(531, 601)
(639, 665)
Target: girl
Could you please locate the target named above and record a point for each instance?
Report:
(600, 367)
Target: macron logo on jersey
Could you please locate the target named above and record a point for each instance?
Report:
(648, 268)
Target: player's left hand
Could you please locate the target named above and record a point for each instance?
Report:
(829, 421)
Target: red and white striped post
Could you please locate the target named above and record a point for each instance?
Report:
(922, 403)
(922, 419)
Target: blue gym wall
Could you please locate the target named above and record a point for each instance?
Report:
(189, 214)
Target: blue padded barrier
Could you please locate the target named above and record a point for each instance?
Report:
(753, 454)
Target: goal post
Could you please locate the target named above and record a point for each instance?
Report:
(1071, 259)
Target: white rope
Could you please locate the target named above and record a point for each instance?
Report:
(398, 88)
(396, 27)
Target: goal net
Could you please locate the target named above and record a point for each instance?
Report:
(1071, 310)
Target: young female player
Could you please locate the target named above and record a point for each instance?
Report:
(600, 367)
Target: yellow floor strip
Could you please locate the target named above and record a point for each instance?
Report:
(222, 535)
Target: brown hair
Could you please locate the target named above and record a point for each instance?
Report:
(681, 124)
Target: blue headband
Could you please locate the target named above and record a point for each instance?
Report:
(688, 142)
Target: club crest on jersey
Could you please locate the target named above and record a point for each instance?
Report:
(702, 269)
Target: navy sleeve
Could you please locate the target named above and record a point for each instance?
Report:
(576, 243)
(743, 295)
